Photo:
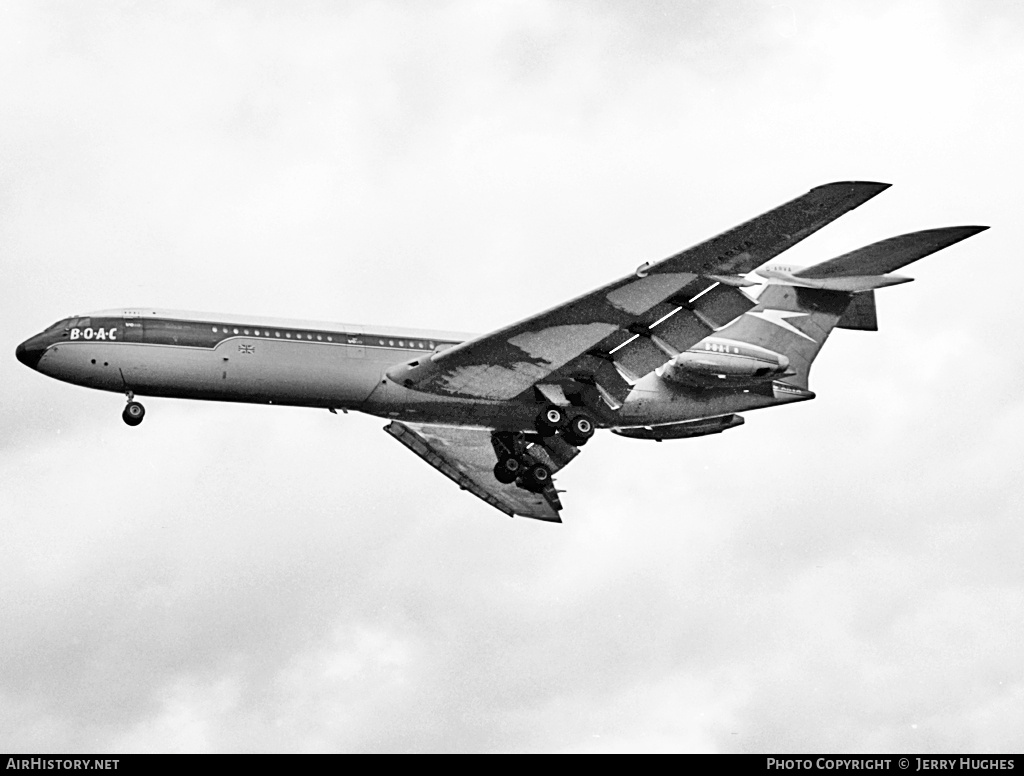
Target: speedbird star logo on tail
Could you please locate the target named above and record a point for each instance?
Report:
(778, 317)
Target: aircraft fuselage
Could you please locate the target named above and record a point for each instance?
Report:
(311, 364)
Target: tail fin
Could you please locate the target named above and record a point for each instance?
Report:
(792, 321)
(861, 315)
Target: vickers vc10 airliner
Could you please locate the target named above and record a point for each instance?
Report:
(673, 350)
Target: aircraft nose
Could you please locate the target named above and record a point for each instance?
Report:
(29, 353)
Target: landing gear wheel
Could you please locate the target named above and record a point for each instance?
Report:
(580, 429)
(133, 413)
(550, 421)
(507, 470)
(537, 477)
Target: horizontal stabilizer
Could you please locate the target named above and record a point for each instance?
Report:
(887, 256)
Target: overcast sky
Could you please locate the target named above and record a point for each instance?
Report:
(842, 575)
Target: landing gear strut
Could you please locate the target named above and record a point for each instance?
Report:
(133, 412)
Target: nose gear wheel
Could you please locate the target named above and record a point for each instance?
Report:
(133, 413)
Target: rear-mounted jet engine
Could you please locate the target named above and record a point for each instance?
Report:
(723, 363)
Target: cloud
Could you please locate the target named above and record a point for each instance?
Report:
(834, 575)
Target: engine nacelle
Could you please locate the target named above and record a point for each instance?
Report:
(834, 280)
(684, 430)
(721, 363)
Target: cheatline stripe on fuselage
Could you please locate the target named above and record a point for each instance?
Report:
(182, 329)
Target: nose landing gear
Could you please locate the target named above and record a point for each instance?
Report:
(133, 412)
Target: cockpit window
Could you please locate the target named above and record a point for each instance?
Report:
(69, 323)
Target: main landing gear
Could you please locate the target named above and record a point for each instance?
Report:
(509, 468)
(517, 465)
(576, 430)
(519, 468)
(133, 412)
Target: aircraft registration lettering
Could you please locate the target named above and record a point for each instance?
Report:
(736, 250)
(90, 333)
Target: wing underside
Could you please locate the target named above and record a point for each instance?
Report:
(620, 332)
(466, 456)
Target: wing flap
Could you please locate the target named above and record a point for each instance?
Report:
(651, 346)
(683, 329)
(598, 369)
(638, 357)
(720, 306)
(466, 456)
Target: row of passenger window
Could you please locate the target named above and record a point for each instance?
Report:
(402, 343)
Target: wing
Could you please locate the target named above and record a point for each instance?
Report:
(614, 335)
(466, 456)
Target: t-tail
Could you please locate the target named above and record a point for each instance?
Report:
(799, 308)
